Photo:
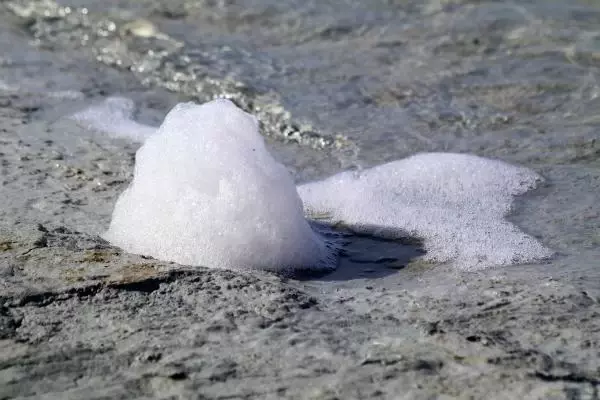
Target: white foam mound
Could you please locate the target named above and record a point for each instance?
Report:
(455, 202)
(207, 192)
(114, 116)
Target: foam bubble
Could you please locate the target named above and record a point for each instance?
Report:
(207, 192)
(114, 116)
(455, 202)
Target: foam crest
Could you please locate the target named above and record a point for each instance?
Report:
(455, 202)
(114, 116)
(207, 192)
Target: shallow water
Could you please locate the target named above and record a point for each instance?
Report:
(514, 81)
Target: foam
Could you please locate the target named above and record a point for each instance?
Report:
(114, 116)
(8, 87)
(455, 202)
(207, 192)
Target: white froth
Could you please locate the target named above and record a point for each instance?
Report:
(8, 87)
(207, 192)
(114, 116)
(455, 202)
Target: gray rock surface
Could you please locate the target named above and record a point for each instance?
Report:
(82, 319)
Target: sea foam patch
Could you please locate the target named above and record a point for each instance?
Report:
(114, 116)
(207, 192)
(457, 203)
